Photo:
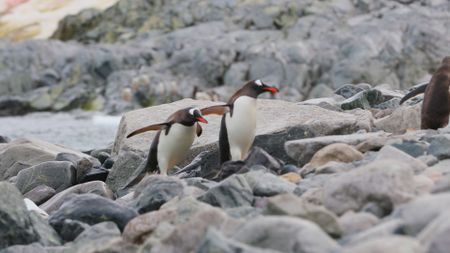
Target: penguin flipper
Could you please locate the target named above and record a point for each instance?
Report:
(154, 127)
(420, 89)
(224, 145)
(215, 109)
(199, 130)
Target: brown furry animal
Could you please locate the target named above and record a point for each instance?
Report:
(436, 101)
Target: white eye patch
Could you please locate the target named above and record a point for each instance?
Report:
(192, 111)
(258, 82)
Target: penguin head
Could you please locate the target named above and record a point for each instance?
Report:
(193, 115)
(260, 87)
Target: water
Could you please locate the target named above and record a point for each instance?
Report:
(77, 130)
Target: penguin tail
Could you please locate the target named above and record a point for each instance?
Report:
(420, 89)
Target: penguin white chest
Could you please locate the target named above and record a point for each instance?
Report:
(241, 127)
(173, 147)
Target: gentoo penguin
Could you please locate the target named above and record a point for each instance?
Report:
(436, 101)
(238, 125)
(173, 140)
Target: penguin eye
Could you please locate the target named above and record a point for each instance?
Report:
(193, 110)
(258, 82)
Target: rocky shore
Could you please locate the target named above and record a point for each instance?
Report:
(346, 173)
(138, 53)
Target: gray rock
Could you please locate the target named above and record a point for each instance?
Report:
(23, 153)
(354, 189)
(71, 229)
(264, 184)
(4, 139)
(412, 148)
(47, 235)
(216, 242)
(349, 90)
(234, 191)
(293, 122)
(258, 156)
(84, 167)
(153, 191)
(201, 183)
(415, 217)
(353, 223)
(94, 187)
(442, 185)
(15, 217)
(401, 119)
(391, 153)
(40, 194)
(91, 209)
(303, 150)
(433, 236)
(288, 204)
(229, 168)
(392, 244)
(126, 164)
(285, 234)
(382, 230)
(30, 248)
(57, 175)
(438, 171)
(363, 100)
(440, 147)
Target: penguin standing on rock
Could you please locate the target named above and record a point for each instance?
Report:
(238, 125)
(173, 140)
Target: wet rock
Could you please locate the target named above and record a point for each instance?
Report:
(57, 175)
(234, 191)
(264, 184)
(392, 244)
(258, 156)
(126, 164)
(339, 152)
(440, 147)
(153, 191)
(285, 234)
(303, 150)
(91, 209)
(415, 217)
(40, 194)
(353, 223)
(354, 189)
(15, 217)
(434, 235)
(403, 118)
(216, 242)
(288, 204)
(94, 187)
(293, 122)
(24, 153)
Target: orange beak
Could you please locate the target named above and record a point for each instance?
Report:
(201, 119)
(273, 90)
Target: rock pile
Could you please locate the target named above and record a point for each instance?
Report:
(146, 52)
(320, 179)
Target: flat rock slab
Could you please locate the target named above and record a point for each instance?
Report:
(26, 152)
(277, 122)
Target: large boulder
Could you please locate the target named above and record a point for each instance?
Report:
(26, 152)
(292, 121)
(372, 183)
